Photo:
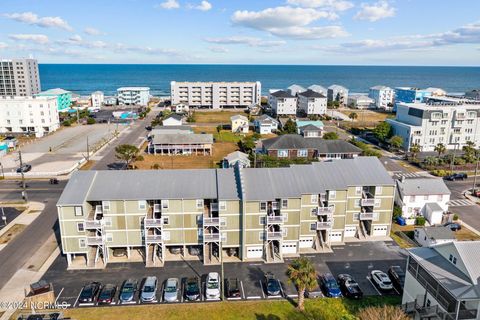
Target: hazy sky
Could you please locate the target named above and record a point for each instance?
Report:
(378, 32)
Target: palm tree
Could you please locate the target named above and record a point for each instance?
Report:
(414, 150)
(431, 161)
(440, 149)
(302, 274)
(353, 115)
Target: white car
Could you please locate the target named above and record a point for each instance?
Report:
(213, 286)
(381, 280)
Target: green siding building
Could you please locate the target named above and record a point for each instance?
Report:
(64, 97)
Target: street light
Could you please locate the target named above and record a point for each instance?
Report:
(3, 173)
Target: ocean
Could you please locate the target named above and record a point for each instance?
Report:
(86, 78)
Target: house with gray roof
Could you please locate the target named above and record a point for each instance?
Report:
(240, 214)
(180, 142)
(265, 124)
(295, 89)
(319, 89)
(291, 146)
(283, 103)
(173, 120)
(427, 197)
(312, 103)
(236, 158)
(442, 281)
(430, 236)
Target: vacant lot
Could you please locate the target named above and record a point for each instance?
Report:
(331, 309)
(466, 234)
(216, 116)
(367, 115)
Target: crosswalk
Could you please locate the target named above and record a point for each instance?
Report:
(399, 175)
(460, 203)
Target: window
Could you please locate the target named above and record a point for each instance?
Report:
(450, 258)
(302, 153)
(80, 227)
(313, 212)
(166, 220)
(425, 197)
(454, 260)
(106, 205)
(440, 197)
(261, 236)
(109, 237)
(222, 205)
(142, 205)
(356, 203)
(313, 226)
(165, 204)
(263, 206)
(378, 203)
(284, 203)
(78, 211)
(82, 243)
(166, 235)
(200, 204)
(108, 221)
(332, 194)
(378, 190)
(262, 220)
(285, 232)
(314, 198)
(282, 153)
(358, 191)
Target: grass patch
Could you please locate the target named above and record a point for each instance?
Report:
(11, 233)
(328, 309)
(228, 136)
(216, 116)
(466, 234)
(88, 165)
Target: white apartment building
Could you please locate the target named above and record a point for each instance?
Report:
(451, 122)
(28, 115)
(19, 77)
(312, 102)
(97, 98)
(359, 101)
(337, 93)
(384, 97)
(283, 103)
(216, 95)
(138, 96)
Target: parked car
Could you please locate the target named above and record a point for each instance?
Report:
(381, 280)
(119, 252)
(213, 286)
(89, 292)
(170, 292)
(315, 292)
(149, 290)
(397, 276)
(24, 168)
(107, 294)
(148, 128)
(194, 251)
(272, 285)
(454, 226)
(456, 176)
(192, 289)
(129, 288)
(232, 288)
(330, 286)
(175, 250)
(349, 286)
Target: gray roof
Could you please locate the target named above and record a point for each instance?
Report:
(238, 116)
(422, 186)
(318, 88)
(311, 94)
(439, 233)
(272, 183)
(77, 188)
(175, 116)
(181, 138)
(310, 127)
(459, 284)
(282, 94)
(295, 141)
(295, 88)
(189, 128)
(433, 206)
(337, 87)
(380, 87)
(236, 155)
(264, 118)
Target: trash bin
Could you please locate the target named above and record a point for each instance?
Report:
(401, 221)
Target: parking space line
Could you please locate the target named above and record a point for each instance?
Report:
(373, 284)
(253, 297)
(78, 297)
(261, 286)
(59, 294)
(281, 288)
(292, 295)
(243, 291)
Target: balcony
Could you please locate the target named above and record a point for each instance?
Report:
(153, 222)
(366, 215)
(214, 206)
(368, 202)
(325, 210)
(324, 225)
(93, 224)
(211, 237)
(153, 238)
(98, 209)
(94, 241)
(211, 222)
(275, 219)
(274, 235)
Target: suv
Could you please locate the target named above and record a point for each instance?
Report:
(330, 286)
(457, 176)
(272, 284)
(397, 276)
(89, 292)
(192, 289)
(149, 290)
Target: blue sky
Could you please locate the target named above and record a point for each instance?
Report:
(370, 32)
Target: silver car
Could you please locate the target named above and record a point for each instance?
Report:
(149, 290)
(170, 292)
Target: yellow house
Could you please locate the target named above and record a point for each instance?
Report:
(239, 123)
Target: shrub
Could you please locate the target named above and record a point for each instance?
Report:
(420, 221)
(440, 172)
(330, 136)
(66, 123)
(156, 166)
(382, 313)
(455, 217)
(91, 121)
(459, 161)
(256, 136)
(397, 212)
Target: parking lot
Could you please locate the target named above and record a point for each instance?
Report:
(356, 259)
(7, 215)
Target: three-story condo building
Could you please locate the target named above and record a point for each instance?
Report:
(244, 214)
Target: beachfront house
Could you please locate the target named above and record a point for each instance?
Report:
(239, 123)
(283, 103)
(319, 89)
(265, 124)
(337, 94)
(383, 97)
(64, 98)
(295, 89)
(139, 96)
(312, 103)
(359, 101)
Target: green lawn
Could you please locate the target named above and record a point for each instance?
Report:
(322, 309)
(227, 136)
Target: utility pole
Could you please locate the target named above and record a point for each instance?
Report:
(475, 174)
(453, 158)
(3, 173)
(222, 283)
(78, 116)
(88, 151)
(24, 187)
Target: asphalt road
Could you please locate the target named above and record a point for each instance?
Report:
(23, 246)
(9, 213)
(468, 211)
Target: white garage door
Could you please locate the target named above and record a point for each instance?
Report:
(380, 230)
(289, 248)
(350, 232)
(306, 242)
(255, 252)
(336, 236)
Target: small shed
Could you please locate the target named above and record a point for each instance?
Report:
(433, 213)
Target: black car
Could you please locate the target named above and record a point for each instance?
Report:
(453, 226)
(457, 176)
(107, 294)
(24, 168)
(396, 274)
(89, 292)
(148, 128)
(192, 289)
(272, 285)
(349, 286)
(232, 287)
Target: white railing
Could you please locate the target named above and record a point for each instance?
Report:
(274, 235)
(366, 215)
(211, 237)
(153, 222)
(326, 210)
(211, 221)
(153, 238)
(275, 219)
(368, 202)
(98, 209)
(324, 225)
(93, 224)
(94, 241)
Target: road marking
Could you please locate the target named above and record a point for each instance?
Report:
(253, 297)
(243, 291)
(373, 284)
(460, 203)
(281, 288)
(261, 286)
(78, 297)
(59, 294)
(292, 295)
